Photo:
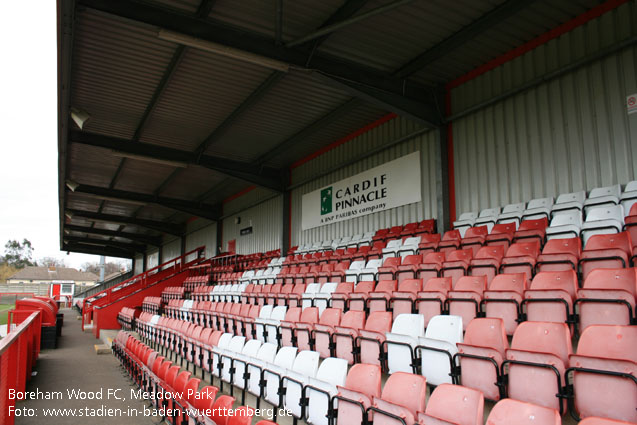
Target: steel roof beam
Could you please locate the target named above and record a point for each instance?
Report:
(132, 247)
(256, 44)
(266, 176)
(159, 226)
(137, 237)
(95, 250)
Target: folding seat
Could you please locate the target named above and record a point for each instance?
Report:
(357, 300)
(282, 295)
(512, 213)
(605, 373)
(487, 262)
(504, 299)
(487, 217)
(393, 404)
(286, 327)
(426, 226)
(240, 361)
(456, 264)
(343, 242)
(218, 351)
(341, 295)
(312, 274)
(321, 333)
(234, 349)
(409, 246)
(402, 341)
(481, 354)
(323, 297)
(355, 241)
(450, 241)
(273, 375)
(307, 297)
(294, 298)
(406, 269)
(602, 221)
(345, 334)
(222, 404)
(302, 329)
(465, 299)
(392, 248)
(299, 277)
(453, 404)
(432, 299)
(560, 254)
(381, 234)
(537, 362)
(521, 258)
(403, 300)
(465, 221)
(606, 252)
(290, 276)
(331, 374)
(371, 338)
(566, 202)
(607, 298)
(428, 243)
(254, 369)
(629, 196)
(338, 274)
(268, 294)
(370, 271)
(375, 252)
(323, 275)
(351, 275)
(355, 397)
(603, 196)
(379, 299)
(437, 348)
(513, 412)
(431, 265)
(266, 325)
(474, 238)
(501, 234)
(304, 368)
(409, 229)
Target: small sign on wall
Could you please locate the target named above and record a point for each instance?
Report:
(631, 103)
(246, 231)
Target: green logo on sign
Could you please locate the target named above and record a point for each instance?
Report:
(326, 200)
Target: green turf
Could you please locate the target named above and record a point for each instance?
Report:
(4, 313)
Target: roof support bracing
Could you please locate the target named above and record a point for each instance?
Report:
(256, 44)
(136, 237)
(159, 226)
(95, 250)
(467, 33)
(105, 242)
(199, 209)
(265, 176)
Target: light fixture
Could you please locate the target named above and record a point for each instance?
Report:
(115, 199)
(222, 50)
(79, 116)
(68, 214)
(72, 185)
(145, 158)
(67, 232)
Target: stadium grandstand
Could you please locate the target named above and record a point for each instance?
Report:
(344, 212)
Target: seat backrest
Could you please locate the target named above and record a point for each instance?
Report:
(622, 279)
(266, 312)
(460, 255)
(395, 243)
(476, 284)
(388, 286)
(468, 216)
(456, 404)
(267, 352)
(571, 197)
(353, 319)
(285, 357)
(357, 265)
(543, 337)
(614, 190)
(224, 340)
(504, 228)
(565, 280)
(438, 284)
(563, 246)
(515, 282)
(310, 315)
(620, 241)
(487, 332)
(399, 384)
(365, 379)
(477, 231)
(451, 235)
(513, 412)
(609, 342)
(445, 328)
(222, 404)
(489, 212)
(333, 371)
(413, 240)
(331, 317)
(278, 313)
(520, 249)
(412, 259)
(490, 253)
(374, 264)
(236, 344)
(540, 203)
(180, 382)
(430, 237)
(514, 208)
(251, 348)
(344, 288)
(329, 287)
(379, 321)
(312, 288)
(613, 212)
(434, 258)
(410, 285)
(392, 262)
(171, 375)
(364, 287)
(409, 324)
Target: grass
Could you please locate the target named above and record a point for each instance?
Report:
(4, 313)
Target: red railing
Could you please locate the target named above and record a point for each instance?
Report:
(139, 282)
(18, 352)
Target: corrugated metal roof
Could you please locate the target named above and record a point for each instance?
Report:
(192, 182)
(142, 176)
(91, 165)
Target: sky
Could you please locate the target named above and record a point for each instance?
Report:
(28, 119)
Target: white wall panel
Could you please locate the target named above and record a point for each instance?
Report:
(171, 250)
(392, 130)
(139, 264)
(266, 220)
(204, 236)
(152, 259)
(570, 133)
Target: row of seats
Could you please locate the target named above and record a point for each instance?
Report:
(153, 373)
(201, 274)
(533, 369)
(172, 293)
(547, 208)
(152, 305)
(126, 317)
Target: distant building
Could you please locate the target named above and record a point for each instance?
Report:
(62, 280)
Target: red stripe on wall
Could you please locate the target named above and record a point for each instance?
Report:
(345, 139)
(239, 194)
(538, 41)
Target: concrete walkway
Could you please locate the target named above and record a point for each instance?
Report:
(74, 365)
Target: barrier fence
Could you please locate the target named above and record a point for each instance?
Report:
(18, 352)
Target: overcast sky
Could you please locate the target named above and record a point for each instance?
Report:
(28, 115)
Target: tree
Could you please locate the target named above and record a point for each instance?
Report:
(18, 255)
(6, 271)
(51, 262)
(109, 268)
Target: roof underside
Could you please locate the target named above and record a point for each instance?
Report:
(176, 128)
